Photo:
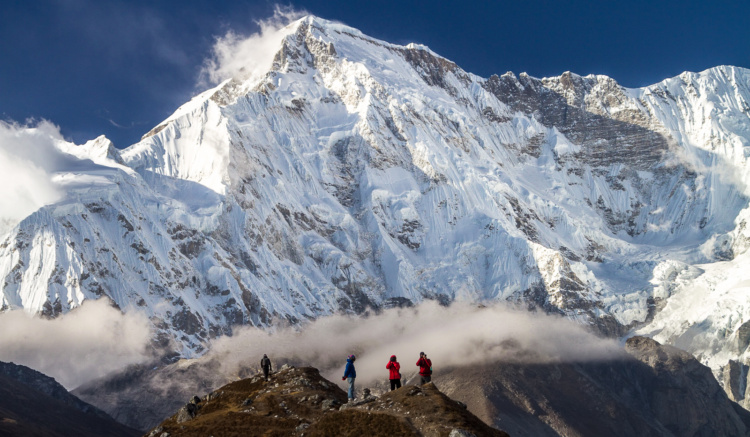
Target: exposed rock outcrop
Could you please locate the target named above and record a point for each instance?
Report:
(298, 401)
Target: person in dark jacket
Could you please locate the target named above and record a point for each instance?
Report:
(265, 364)
(350, 373)
(425, 368)
(394, 374)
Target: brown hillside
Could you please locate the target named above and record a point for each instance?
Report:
(299, 402)
(409, 411)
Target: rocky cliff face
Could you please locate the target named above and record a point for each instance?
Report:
(360, 174)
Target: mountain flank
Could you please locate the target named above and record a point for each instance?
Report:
(34, 405)
(654, 390)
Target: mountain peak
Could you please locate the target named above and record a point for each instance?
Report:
(348, 173)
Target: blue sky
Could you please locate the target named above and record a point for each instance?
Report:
(120, 67)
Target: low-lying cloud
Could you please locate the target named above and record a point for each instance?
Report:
(459, 335)
(251, 56)
(96, 339)
(86, 343)
(28, 155)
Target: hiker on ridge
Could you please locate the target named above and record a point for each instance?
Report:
(265, 364)
(395, 374)
(425, 368)
(350, 373)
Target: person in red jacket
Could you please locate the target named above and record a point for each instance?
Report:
(425, 368)
(394, 375)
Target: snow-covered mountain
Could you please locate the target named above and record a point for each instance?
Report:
(358, 173)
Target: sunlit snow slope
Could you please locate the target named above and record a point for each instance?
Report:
(359, 173)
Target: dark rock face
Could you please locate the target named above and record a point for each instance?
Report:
(655, 390)
(593, 113)
(186, 413)
(734, 381)
(562, 102)
(33, 404)
(433, 69)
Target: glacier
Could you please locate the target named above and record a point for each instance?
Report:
(356, 174)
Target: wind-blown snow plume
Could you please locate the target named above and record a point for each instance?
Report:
(250, 56)
(459, 335)
(27, 157)
(82, 345)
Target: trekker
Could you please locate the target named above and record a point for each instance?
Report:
(350, 374)
(425, 368)
(265, 364)
(394, 375)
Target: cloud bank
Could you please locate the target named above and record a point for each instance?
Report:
(28, 155)
(248, 57)
(86, 343)
(459, 335)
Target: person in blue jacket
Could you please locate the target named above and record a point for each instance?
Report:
(349, 374)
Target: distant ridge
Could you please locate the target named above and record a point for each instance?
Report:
(32, 404)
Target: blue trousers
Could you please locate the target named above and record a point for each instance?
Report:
(351, 387)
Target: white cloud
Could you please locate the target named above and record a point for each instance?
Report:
(251, 56)
(459, 335)
(28, 155)
(84, 344)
